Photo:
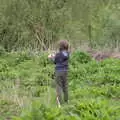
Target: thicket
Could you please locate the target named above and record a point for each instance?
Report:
(38, 24)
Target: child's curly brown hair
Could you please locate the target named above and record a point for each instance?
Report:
(63, 45)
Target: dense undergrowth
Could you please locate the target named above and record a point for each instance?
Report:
(27, 90)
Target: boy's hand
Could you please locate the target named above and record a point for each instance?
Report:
(51, 55)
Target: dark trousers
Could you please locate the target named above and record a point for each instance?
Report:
(61, 85)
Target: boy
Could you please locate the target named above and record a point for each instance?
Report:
(61, 70)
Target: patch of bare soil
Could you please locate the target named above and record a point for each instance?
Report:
(98, 55)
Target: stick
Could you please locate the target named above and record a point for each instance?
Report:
(58, 102)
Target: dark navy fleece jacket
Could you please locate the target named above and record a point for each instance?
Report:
(61, 61)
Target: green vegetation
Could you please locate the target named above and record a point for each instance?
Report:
(38, 24)
(27, 90)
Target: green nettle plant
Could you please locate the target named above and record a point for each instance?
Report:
(28, 86)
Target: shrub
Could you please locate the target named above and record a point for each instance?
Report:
(80, 57)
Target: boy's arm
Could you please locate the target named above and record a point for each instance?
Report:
(55, 58)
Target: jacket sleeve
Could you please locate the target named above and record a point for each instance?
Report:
(55, 59)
